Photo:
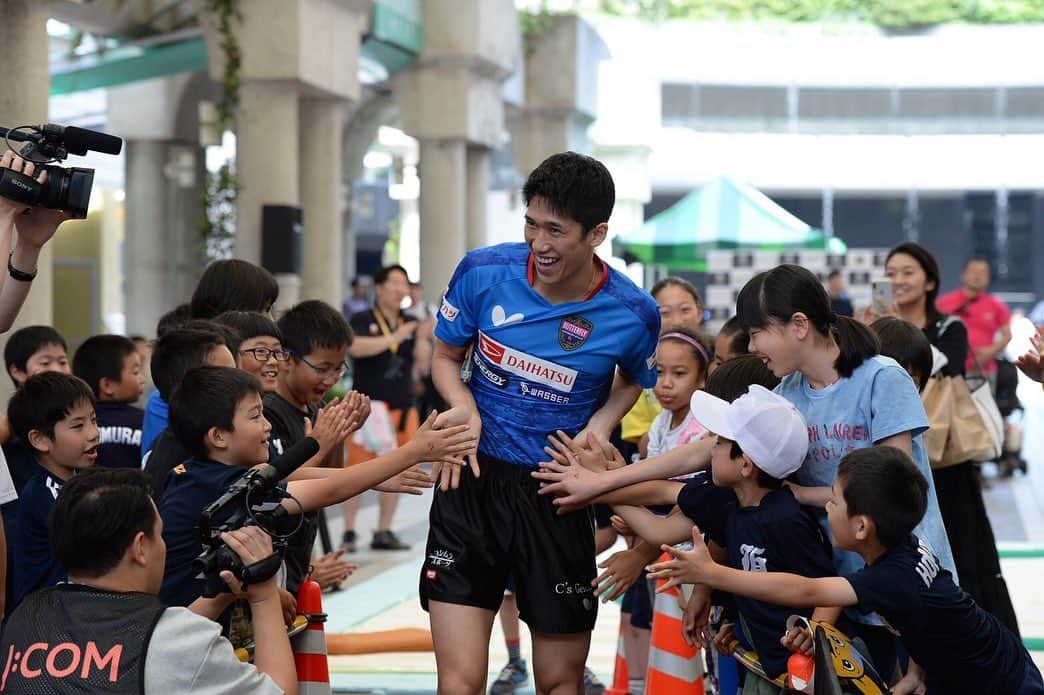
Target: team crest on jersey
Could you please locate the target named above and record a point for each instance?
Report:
(573, 332)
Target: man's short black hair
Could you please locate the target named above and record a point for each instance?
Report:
(250, 324)
(175, 318)
(835, 273)
(381, 276)
(882, 483)
(44, 400)
(233, 285)
(575, 185)
(207, 397)
(180, 350)
(26, 342)
(101, 357)
(977, 259)
(96, 517)
(314, 325)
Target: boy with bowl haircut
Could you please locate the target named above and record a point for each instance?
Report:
(261, 350)
(761, 439)
(111, 366)
(217, 414)
(878, 497)
(175, 353)
(317, 338)
(54, 414)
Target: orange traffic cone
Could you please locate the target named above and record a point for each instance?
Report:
(675, 668)
(313, 671)
(621, 676)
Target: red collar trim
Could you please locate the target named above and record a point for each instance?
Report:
(531, 275)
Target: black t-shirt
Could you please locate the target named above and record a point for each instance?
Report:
(166, 453)
(388, 376)
(288, 429)
(119, 427)
(779, 535)
(962, 648)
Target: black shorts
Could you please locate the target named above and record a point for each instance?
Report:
(497, 526)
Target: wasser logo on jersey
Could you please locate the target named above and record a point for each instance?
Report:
(528, 366)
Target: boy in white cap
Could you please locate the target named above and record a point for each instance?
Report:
(747, 511)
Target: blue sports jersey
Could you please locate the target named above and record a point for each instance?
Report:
(538, 367)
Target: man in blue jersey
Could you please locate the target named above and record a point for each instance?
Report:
(559, 341)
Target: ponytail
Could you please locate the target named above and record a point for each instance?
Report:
(774, 296)
(856, 343)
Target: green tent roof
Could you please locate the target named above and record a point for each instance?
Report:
(724, 214)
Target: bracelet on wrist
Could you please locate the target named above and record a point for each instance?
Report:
(16, 274)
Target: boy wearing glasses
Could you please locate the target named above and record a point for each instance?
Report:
(261, 351)
(317, 338)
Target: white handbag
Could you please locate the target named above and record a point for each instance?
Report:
(982, 395)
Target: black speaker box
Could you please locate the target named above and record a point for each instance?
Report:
(281, 227)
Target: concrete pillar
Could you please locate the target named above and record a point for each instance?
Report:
(320, 165)
(23, 99)
(266, 158)
(145, 248)
(478, 193)
(443, 175)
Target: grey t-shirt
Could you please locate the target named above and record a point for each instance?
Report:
(187, 654)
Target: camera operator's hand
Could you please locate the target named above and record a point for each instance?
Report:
(252, 545)
(9, 208)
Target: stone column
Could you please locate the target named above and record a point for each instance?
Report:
(320, 139)
(266, 158)
(478, 192)
(24, 99)
(145, 245)
(443, 175)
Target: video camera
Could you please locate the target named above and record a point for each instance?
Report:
(66, 189)
(253, 499)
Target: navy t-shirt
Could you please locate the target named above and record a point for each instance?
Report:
(166, 453)
(34, 563)
(962, 648)
(190, 488)
(119, 427)
(779, 535)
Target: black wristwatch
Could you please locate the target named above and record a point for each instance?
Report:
(16, 274)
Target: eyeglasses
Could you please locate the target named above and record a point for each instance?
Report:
(326, 372)
(262, 354)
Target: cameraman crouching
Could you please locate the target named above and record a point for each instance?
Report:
(106, 630)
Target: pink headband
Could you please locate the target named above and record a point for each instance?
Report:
(691, 341)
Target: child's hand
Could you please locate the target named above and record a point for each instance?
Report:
(912, 682)
(696, 618)
(1031, 364)
(571, 484)
(332, 425)
(622, 570)
(597, 456)
(447, 445)
(358, 408)
(449, 478)
(798, 639)
(289, 605)
(411, 481)
(686, 567)
(621, 526)
(330, 570)
(725, 638)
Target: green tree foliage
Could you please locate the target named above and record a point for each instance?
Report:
(890, 14)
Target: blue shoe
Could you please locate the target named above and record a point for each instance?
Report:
(512, 676)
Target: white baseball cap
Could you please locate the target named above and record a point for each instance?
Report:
(768, 427)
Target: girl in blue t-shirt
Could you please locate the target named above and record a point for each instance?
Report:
(850, 396)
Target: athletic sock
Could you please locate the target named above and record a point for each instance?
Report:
(514, 648)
